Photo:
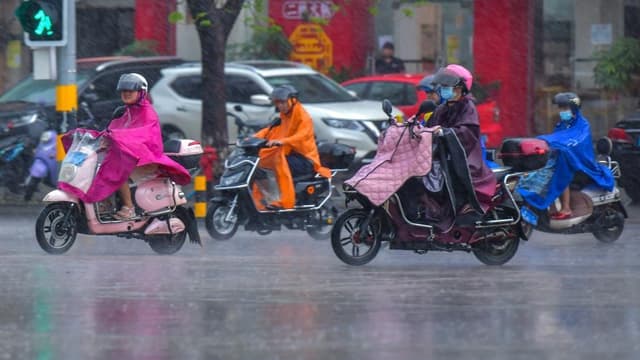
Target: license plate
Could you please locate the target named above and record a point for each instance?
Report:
(76, 158)
(529, 216)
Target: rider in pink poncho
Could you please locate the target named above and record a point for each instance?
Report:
(134, 140)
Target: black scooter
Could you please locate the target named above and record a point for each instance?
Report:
(233, 205)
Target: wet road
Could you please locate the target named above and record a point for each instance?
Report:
(285, 296)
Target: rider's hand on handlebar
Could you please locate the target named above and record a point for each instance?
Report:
(104, 143)
(437, 131)
(271, 143)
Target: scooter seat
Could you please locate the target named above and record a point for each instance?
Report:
(305, 177)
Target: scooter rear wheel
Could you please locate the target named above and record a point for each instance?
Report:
(348, 244)
(322, 230)
(216, 221)
(497, 252)
(167, 244)
(54, 234)
(611, 233)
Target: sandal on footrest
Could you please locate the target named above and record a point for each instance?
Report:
(561, 216)
(125, 213)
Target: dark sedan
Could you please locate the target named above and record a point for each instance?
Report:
(626, 150)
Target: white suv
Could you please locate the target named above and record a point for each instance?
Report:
(338, 115)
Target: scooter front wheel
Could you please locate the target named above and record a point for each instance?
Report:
(220, 222)
(349, 244)
(56, 227)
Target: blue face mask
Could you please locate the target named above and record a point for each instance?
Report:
(566, 115)
(446, 92)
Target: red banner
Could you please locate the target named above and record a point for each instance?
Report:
(327, 34)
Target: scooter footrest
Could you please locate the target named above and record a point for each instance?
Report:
(467, 219)
(410, 245)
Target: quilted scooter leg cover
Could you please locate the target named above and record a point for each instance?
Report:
(399, 157)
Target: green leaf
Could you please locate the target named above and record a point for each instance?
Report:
(175, 16)
(407, 12)
(616, 66)
(318, 20)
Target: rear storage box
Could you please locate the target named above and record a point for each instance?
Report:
(524, 154)
(335, 156)
(184, 151)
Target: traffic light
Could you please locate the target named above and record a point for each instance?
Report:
(43, 21)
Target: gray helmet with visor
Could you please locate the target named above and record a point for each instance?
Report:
(132, 82)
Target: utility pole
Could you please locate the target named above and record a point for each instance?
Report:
(67, 89)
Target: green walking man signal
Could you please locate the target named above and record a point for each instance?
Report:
(43, 22)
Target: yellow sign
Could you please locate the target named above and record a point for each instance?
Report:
(66, 97)
(312, 46)
(14, 50)
(453, 49)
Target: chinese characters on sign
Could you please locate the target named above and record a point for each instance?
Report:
(298, 9)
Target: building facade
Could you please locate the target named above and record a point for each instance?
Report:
(528, 49)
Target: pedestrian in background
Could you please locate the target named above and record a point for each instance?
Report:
(387, 63)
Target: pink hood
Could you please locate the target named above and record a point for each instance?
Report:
(135, 140)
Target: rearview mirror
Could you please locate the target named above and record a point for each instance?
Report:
(260, 100)
(89, 95)
(386, 107)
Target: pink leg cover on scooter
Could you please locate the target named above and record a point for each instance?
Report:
(399, 157)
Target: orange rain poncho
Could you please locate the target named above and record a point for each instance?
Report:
(296, 134)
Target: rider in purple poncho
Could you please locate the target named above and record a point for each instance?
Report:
(458, 113)
(134, 140)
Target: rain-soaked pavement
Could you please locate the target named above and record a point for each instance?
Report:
(285, 296)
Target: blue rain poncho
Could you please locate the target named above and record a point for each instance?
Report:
(573, 151)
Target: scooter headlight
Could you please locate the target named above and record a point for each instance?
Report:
(23, 120)
(67, 172)
(344, 124)
(45, 137)
(232, 179)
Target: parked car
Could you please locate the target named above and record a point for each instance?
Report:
(337, 115)
(401, 90)
(28, 106)
(625, 136)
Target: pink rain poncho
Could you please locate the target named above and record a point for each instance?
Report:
(134, 140)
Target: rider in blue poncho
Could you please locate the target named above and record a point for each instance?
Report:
(572, 152)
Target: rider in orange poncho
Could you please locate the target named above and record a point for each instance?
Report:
(292, 150)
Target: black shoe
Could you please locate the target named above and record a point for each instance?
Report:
(273, 207)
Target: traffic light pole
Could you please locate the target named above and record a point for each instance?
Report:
(67, 90)
(48, 24)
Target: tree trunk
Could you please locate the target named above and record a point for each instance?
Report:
(213, 26)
